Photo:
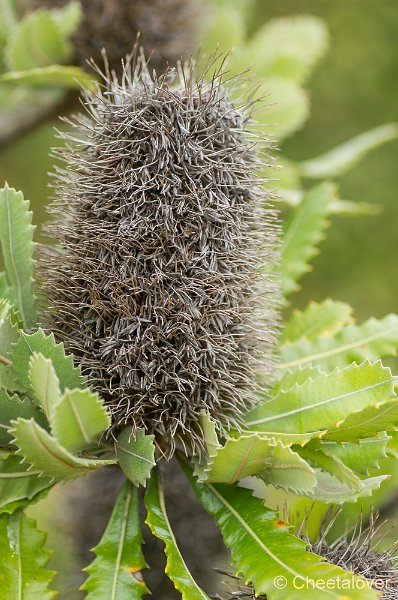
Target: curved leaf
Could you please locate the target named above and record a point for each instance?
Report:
(12, 407)
(303, 232)
(18, 486)
(326, 318)
(23, 572)
(263, 550)
(78, 418)
(323, 402)
(342, 158)
(16, 238)
(68, 375)
(63, 76)
(44, 382)
(159, 524)
(359, 457)
(136, 454)
(46, 455)
(370, 341)
(115, 573)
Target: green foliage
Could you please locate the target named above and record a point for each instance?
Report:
(12, 407)
(369, 341)
(23, 572)
(303, 232)
(68, 375)
(44, 383)
(159, 524)
(266, 550)
(136, 454)
(342, 158)
(18, 484)
(37, 41)
(115, 573)
(46, 454)
(16, 237)
(326, 318)
(68, 77)
(323, 402)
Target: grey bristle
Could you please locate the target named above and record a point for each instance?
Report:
(161, 224)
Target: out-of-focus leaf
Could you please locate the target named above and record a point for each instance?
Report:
(18, 486)
(326, 318)
(68, 375)
(47, 456)
(23, 573)
(288, 47)
(12, 407)
(342, 158)
(263, 550)
(68, 18)
(69, 77)
(159, 524)
(371, 340)
(286, 109)
(115, 573)
(303, 232)
(226, 31)
(16, 238)
(323, 402)
(136, 454)
(8, 18)
(36, 42)
(339, 206)
(78, 418)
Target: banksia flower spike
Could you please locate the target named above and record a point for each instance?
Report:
(162, 224)
(167, 28)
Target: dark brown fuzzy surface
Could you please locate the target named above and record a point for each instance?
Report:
(168, 29)
(161, 224)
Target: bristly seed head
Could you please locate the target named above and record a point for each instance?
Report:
(161, 223)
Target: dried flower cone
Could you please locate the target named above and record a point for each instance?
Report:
(168, 29)
(161, 224)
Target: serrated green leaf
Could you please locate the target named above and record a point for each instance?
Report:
(47, 456)
(371, 340)
(18, 486)
(303, 232)
(115, 572)
(23, 572)
(9, 331)
(36, 42)
(68, 77)
(365, 423)
(326, 318)
(68, 375)
(263, 549)
(289, 471)
(254, 455)
(68, 18)
(332, 464)
(136, 454)
(359, 457)
(238, 458)
(16, 238)
(287, 109)
(158, 522)
(288, 47)
(78, 418)
(342, 158)
(330, 489)
(297, 376)
(44, 382)
(323, 402)
(12, 407)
